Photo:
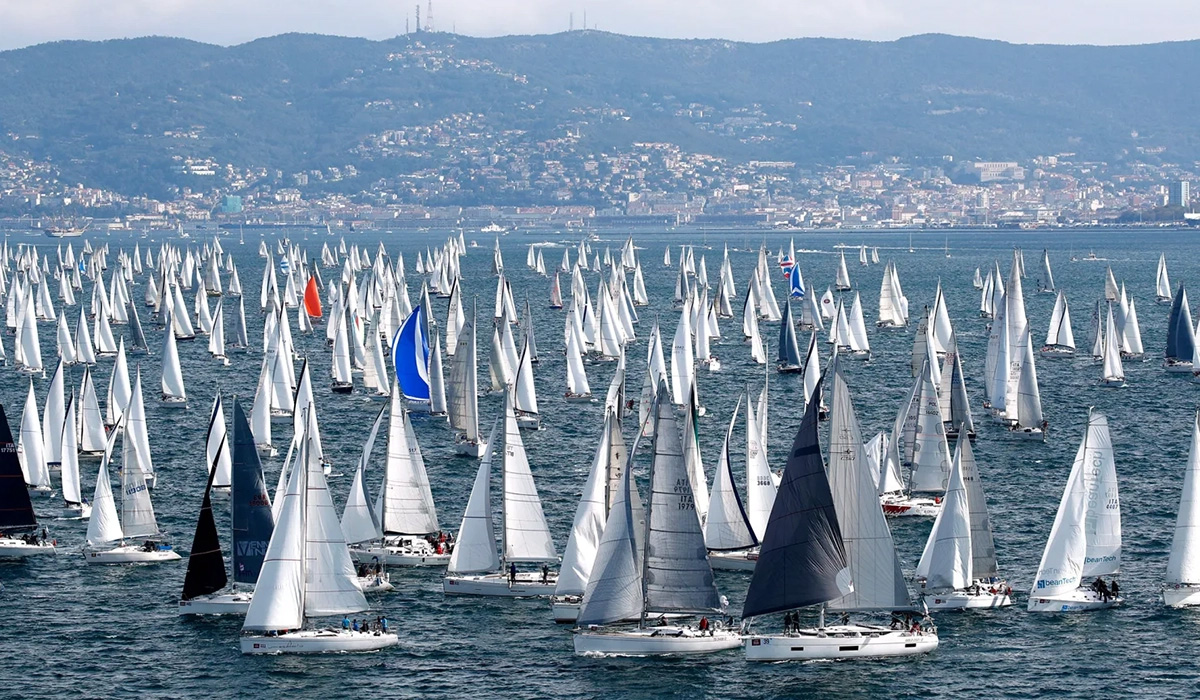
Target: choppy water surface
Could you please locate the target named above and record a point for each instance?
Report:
(70, 629)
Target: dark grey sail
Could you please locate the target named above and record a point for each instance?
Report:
(802, 560)
(252, 519)
(16, 509)
(1180, 341)
(676, 573)
(789, 347)
(206, 564)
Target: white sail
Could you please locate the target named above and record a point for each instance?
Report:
(437, 381)
(31, 446)
(727, 526)
(137, 513)
(104, 526)
(577, 383)
(137, 435)
(119, 389)
(1113, 371)
(870, 552)
(588, 525)
(1029, 398)
(1183, 564)
(475, 548)
(1059, 333)
(405, 505)
(330, 581)
(526, 534)
(91, 422)
(691, 456)
(946, 560)
(279, 600)
(53, 416)
(260, 411)
(172, 375)
(683, 362)
(1162, 282)
(931, 455)
(218, 446)
(72, 487)
(1085, 539)
(760, 486)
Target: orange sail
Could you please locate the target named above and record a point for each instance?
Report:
(312, 299)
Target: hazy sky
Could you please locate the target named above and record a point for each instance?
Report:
(25, 22)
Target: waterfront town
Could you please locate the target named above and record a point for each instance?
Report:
(470, 176)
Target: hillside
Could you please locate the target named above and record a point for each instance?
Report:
(119, 114)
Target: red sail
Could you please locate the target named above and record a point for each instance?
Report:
(312, 299)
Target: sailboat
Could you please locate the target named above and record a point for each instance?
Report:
(18, 523)
(252, 528)
(1182, 586)
(788, 360)
(464, 394)
(578, 389)
(842, 283)
(670, 574)
(341, 380)
(136, 520)
(1045, 281)
(807, 560)
(600, 494)
(474, 568)
(307, 572)
(173, 393)
(1112, 374)
(924, 437)
(410, 357)
(957, 570)
(72, 487)
(1060, 341)
(1085, 540)
(408, 523)
(1181, 336)
(1162, 283)
(733, 531)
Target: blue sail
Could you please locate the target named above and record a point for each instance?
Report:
(410, 356)
(252, 519)
(796, 285)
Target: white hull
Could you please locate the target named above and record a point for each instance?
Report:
(1113, 383)
(654, 641)
(266, 451)
(839, 642)
(399, 556)
(1181, 595)
(326, 641)
(470, 449)
(579, 398)
(217, 604)
(1177, 367)
(527, 585)
(16, 548)
(968, 599)
(1079, 600)
(742, 560)
(129, 554)
(173, 402)
(528, 422)
(1027, 433)
(566, 608)
(1056, 351)
(911, 506)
